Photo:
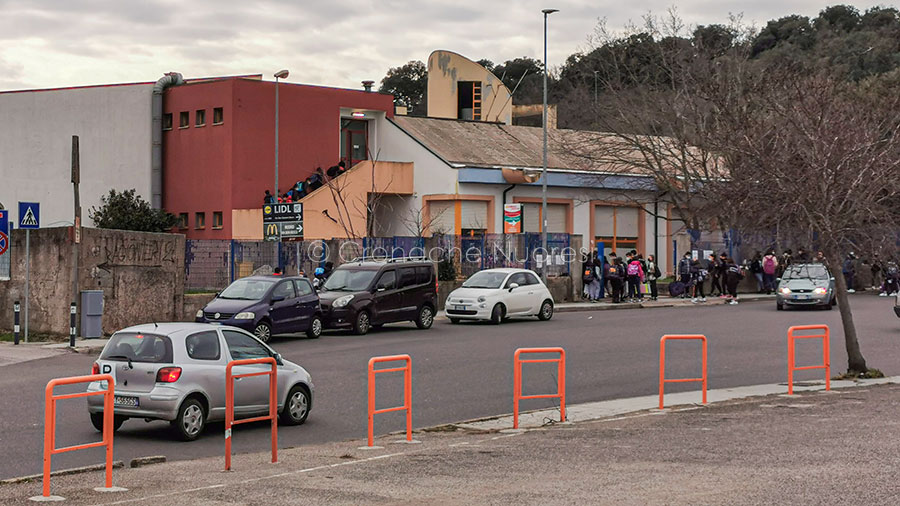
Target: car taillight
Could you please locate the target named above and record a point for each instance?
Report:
(168, 375)
(95, 369)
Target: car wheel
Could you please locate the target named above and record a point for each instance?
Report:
(97, 421)
(296, 406)
(263, 331)
(546, 311)
(779, 307)
(426, 318)
(497, 314)
(362, 324)
(190, 420)
(454, 320)
(315, 328)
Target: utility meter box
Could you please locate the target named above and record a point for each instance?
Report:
(91, 314)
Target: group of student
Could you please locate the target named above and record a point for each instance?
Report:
(627, 280)
(723, 273)
(303, 188)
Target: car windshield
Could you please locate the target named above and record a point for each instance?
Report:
(806, 271)
(137, 347)
(350, 280)
(485, 279)
(247, 289)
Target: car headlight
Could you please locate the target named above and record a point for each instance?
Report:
(784, 290)
(199, 313)
(246, 315)
(482, 298)
(820, 291)
(342, 301)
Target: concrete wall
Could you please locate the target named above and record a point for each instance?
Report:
(113, 125)
(141, 275)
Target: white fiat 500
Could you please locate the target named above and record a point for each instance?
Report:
(496, 294)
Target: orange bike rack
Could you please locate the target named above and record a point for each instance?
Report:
(826, 362)
(662, 365)
(561, 380)
(50, 448)
(407, 393)
(229, 403)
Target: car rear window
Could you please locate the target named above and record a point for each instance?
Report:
(138, 347)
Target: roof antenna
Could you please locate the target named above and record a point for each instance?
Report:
(155, 325)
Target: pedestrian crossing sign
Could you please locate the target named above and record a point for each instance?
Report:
(29, 215)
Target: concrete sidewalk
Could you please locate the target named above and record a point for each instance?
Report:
(814, 447)
(24, 352)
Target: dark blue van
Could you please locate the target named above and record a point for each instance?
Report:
(267, 305)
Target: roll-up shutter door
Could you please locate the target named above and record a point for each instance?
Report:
(627, 221)
(442, 216)
(531, 218)
(474, 214)
(556, 218)
(603, 221)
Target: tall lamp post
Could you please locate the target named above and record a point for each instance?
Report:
(544, 252)
(281, 74)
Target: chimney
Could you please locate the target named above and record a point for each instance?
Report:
(367, 85)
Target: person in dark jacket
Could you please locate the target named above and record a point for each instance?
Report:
(849, 271)
(757, 271)
(732, 278)
(616, 276)
(698, 277)
(684, 273)
(653, 274)
(715, 274)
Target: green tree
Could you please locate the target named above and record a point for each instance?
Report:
(128, 211)
(408, 84)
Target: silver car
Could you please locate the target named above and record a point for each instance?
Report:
(176, 372)
(805, 285)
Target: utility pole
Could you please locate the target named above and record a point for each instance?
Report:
(281, 74)
(76, 228)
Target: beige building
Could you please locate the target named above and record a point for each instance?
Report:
(459, 88)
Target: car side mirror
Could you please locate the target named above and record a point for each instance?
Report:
(778, 279)
(278, 359)
(513, 286)
(831, 278)
(277, 298)
(380, 288)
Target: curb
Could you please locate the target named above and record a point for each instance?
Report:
(146, 461)
(117, 464)
(608, 306)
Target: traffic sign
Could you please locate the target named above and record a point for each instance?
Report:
(291, 229)
(4, 245)
(273, 213)
(29, 215)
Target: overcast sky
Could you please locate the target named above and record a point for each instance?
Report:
(52, 43)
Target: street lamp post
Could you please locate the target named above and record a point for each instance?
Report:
(544, 252)
(281, 74)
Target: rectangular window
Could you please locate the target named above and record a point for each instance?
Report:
(200, 220)
(203, 346)
(441, 217)
(423, 275)
(407, 277)
(218, 116)
(468, 100)
(200, 117)
(183, 220)
(184, 119)
(217, 219)
(167, 121)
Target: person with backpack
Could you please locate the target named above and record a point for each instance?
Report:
(877, 269)
(635, 274)
(849, 271)
(715, 285)
(732, 278)
(770, 268)
(698, 277)
(591, 278)
(653, 274)
(891, 285)
(757, 271)
(615, 273)
(684, 272)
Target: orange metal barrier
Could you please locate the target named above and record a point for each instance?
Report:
(229, 403)
(407, 392)
(561, 380)
(662, 365)
(826, 362)
(50, 448)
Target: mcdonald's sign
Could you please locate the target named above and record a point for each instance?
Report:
(272, 231)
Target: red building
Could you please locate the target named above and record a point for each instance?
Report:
(219, 146)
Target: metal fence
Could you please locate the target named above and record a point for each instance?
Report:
(211, 265)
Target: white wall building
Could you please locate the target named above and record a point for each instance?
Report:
(36, 128)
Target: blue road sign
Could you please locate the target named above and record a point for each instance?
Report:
(4, 231)
(29, 215)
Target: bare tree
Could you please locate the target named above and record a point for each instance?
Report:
(347, 204)
(417, 222)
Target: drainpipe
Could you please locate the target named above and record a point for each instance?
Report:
(156, 175)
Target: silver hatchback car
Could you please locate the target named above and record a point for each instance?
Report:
(810, 285)
(176, 372)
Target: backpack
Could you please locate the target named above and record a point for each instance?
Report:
(634, 268)
(588, 275)
(612, 272)
(676, 288)
(656, 273)
(769, 265)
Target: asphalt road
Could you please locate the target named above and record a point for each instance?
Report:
(463, 372)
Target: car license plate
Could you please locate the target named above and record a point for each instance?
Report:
(801, 297)
(460, 308)
(127, 402)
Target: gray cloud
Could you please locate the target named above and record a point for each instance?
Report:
(48, 43)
